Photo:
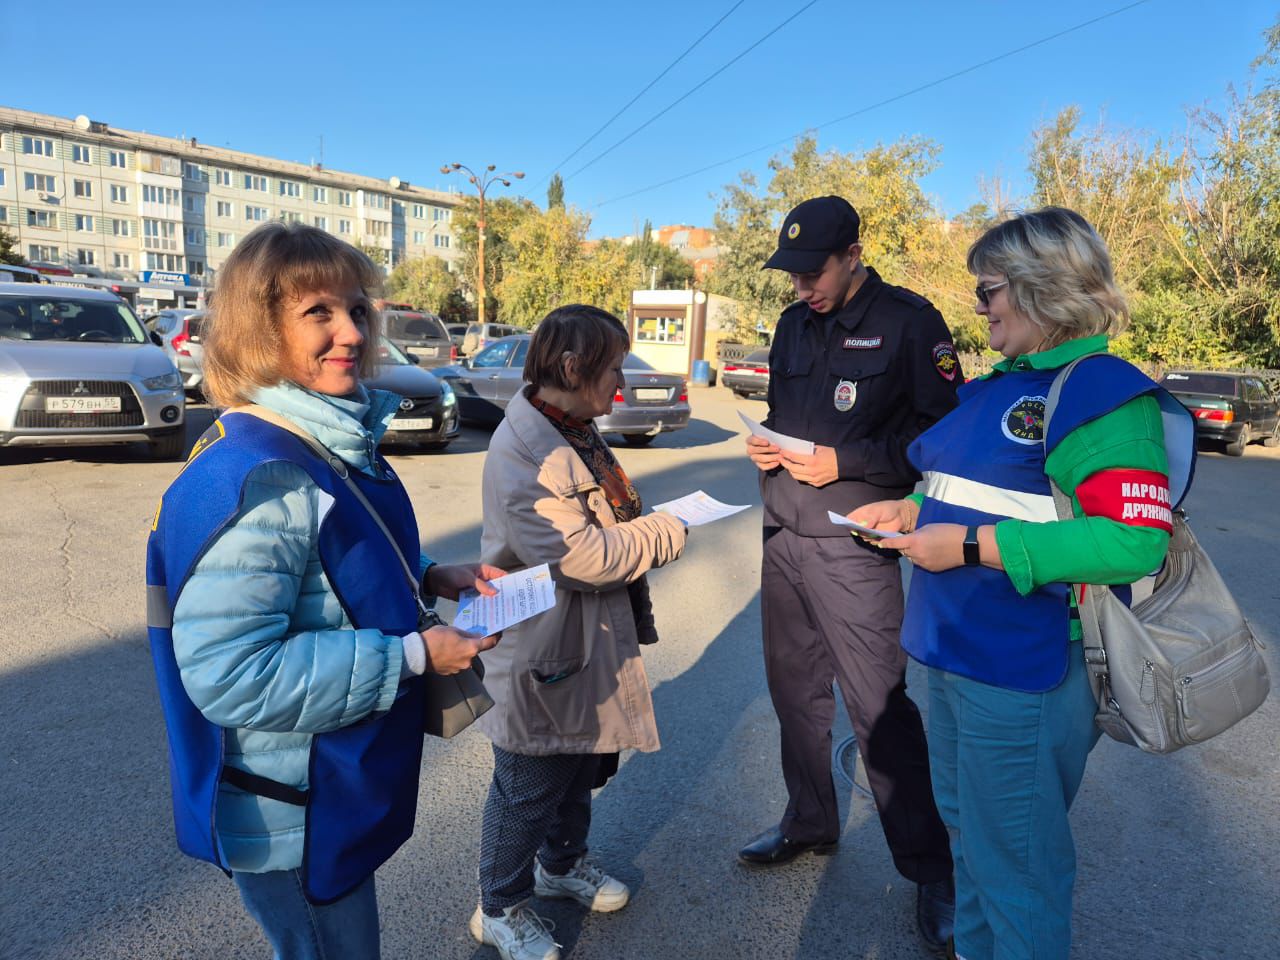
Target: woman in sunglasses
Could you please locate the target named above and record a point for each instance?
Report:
(991, 609)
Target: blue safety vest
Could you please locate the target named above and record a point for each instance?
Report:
(985, 462)
(362, 779)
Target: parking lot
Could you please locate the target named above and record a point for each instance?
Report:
(1176, 853)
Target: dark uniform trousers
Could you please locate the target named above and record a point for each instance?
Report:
(831, 609)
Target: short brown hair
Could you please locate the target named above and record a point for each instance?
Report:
(243, 343)
(592, 335)
(1059, 273)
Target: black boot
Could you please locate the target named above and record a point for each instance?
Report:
(936, 914)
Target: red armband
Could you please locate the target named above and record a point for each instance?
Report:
(1139, 498)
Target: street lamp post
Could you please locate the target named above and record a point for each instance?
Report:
(482, 182)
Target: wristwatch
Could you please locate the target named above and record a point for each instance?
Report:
(972, 555)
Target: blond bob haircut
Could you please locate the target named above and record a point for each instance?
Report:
(594, 336)
(1059, 273)
(244, 340)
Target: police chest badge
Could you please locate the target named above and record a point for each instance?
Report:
(1024, 421)
(846, 394)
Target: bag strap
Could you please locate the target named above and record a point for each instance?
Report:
(339, 466)
(1095, 654)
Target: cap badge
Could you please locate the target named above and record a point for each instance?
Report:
(793, 231)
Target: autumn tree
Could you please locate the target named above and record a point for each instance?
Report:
(423, 281)
(555, 192)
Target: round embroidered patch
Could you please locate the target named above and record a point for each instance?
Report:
(945, 360)
(793, 231)
(1024, 421)
(846, 394)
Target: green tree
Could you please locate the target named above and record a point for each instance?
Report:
(373, 252)
(423, 281)
(503, 216)
(542, 265)
(555, 192)
(9, 249)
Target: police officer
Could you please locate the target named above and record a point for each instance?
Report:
(860, 368)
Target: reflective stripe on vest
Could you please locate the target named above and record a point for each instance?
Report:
(985, 498)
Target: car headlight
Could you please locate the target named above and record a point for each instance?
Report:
(166, 381)
(446, 392)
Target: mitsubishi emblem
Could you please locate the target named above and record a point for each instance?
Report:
(80, 388)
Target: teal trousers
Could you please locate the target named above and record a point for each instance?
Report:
(1006, 766)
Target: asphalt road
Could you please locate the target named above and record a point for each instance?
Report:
(1178, 855)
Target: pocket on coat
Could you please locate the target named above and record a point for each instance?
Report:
(557, 700)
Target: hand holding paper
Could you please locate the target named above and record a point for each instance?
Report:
(871, 533)
(519, 596)
(780, 440)
(697, 508)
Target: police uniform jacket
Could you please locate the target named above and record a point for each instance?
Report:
(866, 379)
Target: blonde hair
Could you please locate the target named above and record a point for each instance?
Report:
(1059, 273)
(243, 341)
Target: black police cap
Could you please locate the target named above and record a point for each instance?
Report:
(812, 232)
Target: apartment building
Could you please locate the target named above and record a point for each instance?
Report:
(95, 199)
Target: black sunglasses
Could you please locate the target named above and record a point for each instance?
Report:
(984, 293)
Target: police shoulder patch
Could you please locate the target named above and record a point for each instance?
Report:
(945, 360)
(1023, 422)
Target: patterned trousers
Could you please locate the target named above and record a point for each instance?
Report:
(537, 806)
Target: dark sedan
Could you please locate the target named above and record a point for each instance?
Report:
(1232, 408)
(428, 414)
(747, 376)
(650, 403)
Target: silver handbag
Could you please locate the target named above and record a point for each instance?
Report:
(1183, 664)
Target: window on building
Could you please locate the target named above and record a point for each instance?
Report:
(1, 176)
(226, 239)
(84, 257)
(289, 188)
(82, 189)
(224, 208)
(117, 158)
(195, 268)
(378, 228)
(344, 198)
(4, 214)
(43, 182)
(660, 329)
(222, 178)
(195, 236)
(419, 237)
(439, 213)
(253, 182)
(170, 262)
(377, 201)
(440, 240)
(192, 171)
(37, 146)
(320, 194)
(122, 261)
(84, 223)
(42, 218)
(322, 223)
(79, 153)
(121, 228)
(255, 213)
(167, 196)
(419, 211)
(193, 203)
(159, 234)
(290, 216)
(119, 193)
(38, 251)
(344, 226)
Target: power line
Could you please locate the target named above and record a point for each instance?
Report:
(628, 104)
(693, 90)
(881, 103)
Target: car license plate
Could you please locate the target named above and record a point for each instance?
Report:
(412, 423)
(81, 404)
(651, 393)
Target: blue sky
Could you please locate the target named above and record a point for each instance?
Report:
(396, 89)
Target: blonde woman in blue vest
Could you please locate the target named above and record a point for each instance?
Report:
(991, 610)
(287, 640)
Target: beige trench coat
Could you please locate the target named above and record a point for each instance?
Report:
(542, 505)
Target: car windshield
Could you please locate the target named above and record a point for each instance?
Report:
(58, 318)
(760, 357)
(632, 362)
(1214, 383)
(415, 326)
(389, 355)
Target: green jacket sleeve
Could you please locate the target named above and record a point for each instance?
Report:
(1091, 549)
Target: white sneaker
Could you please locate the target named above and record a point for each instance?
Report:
(586, 883)
(519, 934)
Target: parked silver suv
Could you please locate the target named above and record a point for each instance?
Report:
(76, 368)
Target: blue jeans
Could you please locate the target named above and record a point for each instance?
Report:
(1006, 766)
(298, 930)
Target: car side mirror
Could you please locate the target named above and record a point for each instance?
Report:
(156, 338)
(413, 358)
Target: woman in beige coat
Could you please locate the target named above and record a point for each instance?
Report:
(569, 685)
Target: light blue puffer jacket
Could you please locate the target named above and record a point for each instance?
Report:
(262, 643)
